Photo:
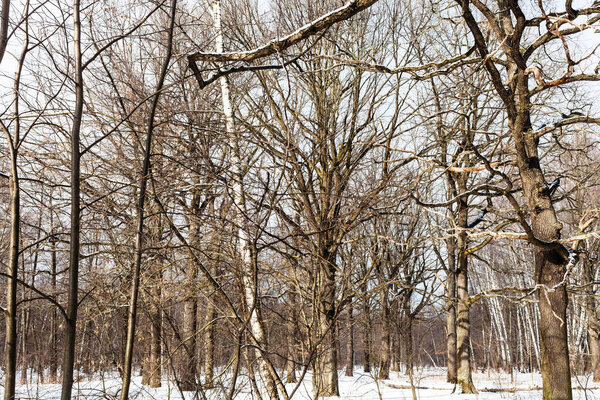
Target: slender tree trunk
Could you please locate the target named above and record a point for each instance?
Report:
(155, 366)
(26, 318)
(291, 360)
(451, 312)
(74, 247)
(292, 338)
(189, 362)
(247, 251)
(350, 340)
(53, 367)
(463, 327)
(10, 346)
(593, 320)
(12, 267)
(408, 344)
(367, 335)
(139, 237)
(396, 358)
(209, 341)
(385, 349)
(4, 20)
(594, 343)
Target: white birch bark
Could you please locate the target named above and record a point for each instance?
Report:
(249, 275)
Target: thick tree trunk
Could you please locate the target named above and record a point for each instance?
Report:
(551, 258)
(350, 340)
(145, 370)
(543, 229)
(556, 370)
(325, 378)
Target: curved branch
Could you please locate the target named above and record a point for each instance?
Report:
(343, 13)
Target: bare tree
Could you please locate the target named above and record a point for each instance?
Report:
(511, 33)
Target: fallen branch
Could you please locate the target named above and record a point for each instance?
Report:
(348, 10)
(489, 390)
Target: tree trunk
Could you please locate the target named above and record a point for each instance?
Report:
(408, 344)
(367, 338)
(543, 229)
(556, 372)
(292, 338)
(139, 236)
(463, 326)
(550, 259)
(451, 312)
(350, 340)
(247, 251)
(155, 367)
(396, 358)
(592, 318)
(189, 361)
(25, 325)
(594, 343)
(12, 267)
(385, 350)
(325, 379)
(209, 340)
(4, 21)
(10, 346)
(74, 247)
(53, 367)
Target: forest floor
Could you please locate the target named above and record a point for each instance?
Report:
(430, 384)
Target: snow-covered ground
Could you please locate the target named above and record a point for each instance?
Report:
(430, 384)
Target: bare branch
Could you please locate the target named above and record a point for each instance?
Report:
(343, 13)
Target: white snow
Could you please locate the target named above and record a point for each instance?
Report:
(430, 384)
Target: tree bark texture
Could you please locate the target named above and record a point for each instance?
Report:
(350, 339)
(74, 246)
(325, 379)
(248, 256)
(386, 338)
